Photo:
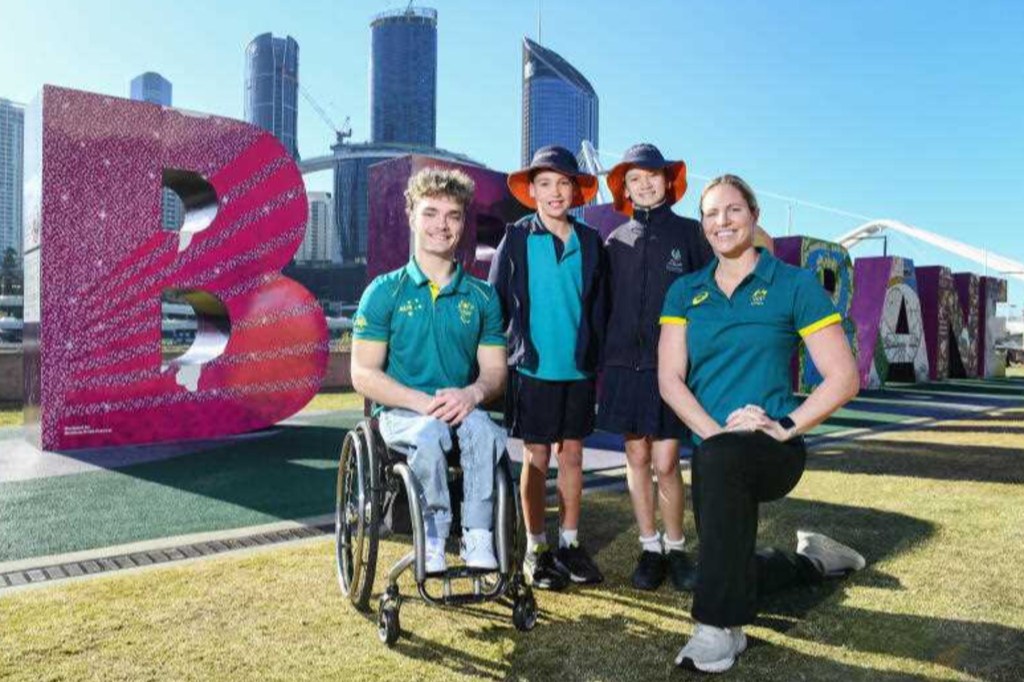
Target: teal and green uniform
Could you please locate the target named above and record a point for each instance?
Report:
(432, 333)
(556, 290)
(741, 348)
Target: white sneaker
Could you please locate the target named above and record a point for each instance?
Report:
(711, 649)
(832, 558)
(478, 549)
(436, 562)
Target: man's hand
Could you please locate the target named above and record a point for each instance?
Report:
(452, 405)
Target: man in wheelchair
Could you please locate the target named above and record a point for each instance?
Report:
(428, 348)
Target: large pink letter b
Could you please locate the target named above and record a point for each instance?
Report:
(97, 262)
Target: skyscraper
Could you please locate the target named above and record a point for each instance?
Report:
(12, 153)
(559, 104)
(320, 243)
(151, 87)
(403, 77)
(272, 87)
(154, 88)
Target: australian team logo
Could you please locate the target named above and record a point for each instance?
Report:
(466, 311)
(410, 307)
(675, 263)
(758, 297)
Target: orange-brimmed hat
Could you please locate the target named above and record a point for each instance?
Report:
(560, 160)
(647, 156)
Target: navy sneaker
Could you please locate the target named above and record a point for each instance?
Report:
(681, 570)
(650, 571)
(575, 561)
(542, 571)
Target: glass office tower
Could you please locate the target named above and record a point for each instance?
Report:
(559, 105)
(403, 77)
(272, 87)
(12, 154)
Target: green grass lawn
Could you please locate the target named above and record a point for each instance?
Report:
(938, 513)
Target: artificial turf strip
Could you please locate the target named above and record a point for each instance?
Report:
(940, 598)
(289, 474)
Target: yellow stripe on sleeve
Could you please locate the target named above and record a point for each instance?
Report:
(834, 318)
(665, 319)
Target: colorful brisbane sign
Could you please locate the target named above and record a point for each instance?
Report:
(97, 263)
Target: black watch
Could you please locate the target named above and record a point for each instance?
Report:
(787, 423)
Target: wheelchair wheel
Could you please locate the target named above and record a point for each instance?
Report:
(357, 515)
(524, 611)
(389, 626)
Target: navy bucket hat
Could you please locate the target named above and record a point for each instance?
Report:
(647, 156)
(560, 160)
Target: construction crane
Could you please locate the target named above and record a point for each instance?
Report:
(340, 134)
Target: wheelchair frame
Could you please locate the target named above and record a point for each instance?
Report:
(366, 470)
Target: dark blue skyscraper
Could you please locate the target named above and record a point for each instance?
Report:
(272, 87)
(559, 104)
(403, 77)
(151, 87)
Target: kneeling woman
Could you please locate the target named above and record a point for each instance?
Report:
(728, 334)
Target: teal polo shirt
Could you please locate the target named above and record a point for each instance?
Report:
(432, 333)
(556, 303)
(741, 348)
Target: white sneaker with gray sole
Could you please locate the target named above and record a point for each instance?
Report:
(478, 549)
(832, 558)
(712, 649)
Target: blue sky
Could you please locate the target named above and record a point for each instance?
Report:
(905, 110)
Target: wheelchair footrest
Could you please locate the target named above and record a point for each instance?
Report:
(481, 591)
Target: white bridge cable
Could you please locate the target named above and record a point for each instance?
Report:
(993, 263)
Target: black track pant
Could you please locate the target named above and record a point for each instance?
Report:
(732, 473)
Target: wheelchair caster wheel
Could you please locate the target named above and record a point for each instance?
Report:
(388, 626)
(524, 612)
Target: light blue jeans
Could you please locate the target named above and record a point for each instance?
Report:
(425, 442)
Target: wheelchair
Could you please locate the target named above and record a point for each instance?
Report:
(375, 484)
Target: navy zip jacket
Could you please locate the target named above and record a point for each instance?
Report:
(509, 277)
(645, 256)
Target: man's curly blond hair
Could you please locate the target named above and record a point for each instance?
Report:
(439, 182)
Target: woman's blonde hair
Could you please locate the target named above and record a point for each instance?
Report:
(734, 181)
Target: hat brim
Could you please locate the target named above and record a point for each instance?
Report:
(675, 172)
(584, 191)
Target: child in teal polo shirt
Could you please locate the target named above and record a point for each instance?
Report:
(428, 348)
(549, 271)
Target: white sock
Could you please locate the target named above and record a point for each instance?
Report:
(675, 545)
(566, 538)
(652, 543)
(533, 541)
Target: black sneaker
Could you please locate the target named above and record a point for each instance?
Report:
(542, 571)
(650, 571)
(681, 570)
(575, 561)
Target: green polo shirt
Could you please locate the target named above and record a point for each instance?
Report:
(556, 303)
(741, 348)
(432, 334)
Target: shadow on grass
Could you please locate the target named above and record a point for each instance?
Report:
(611, 640)
(983, 464)
(987, 651)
